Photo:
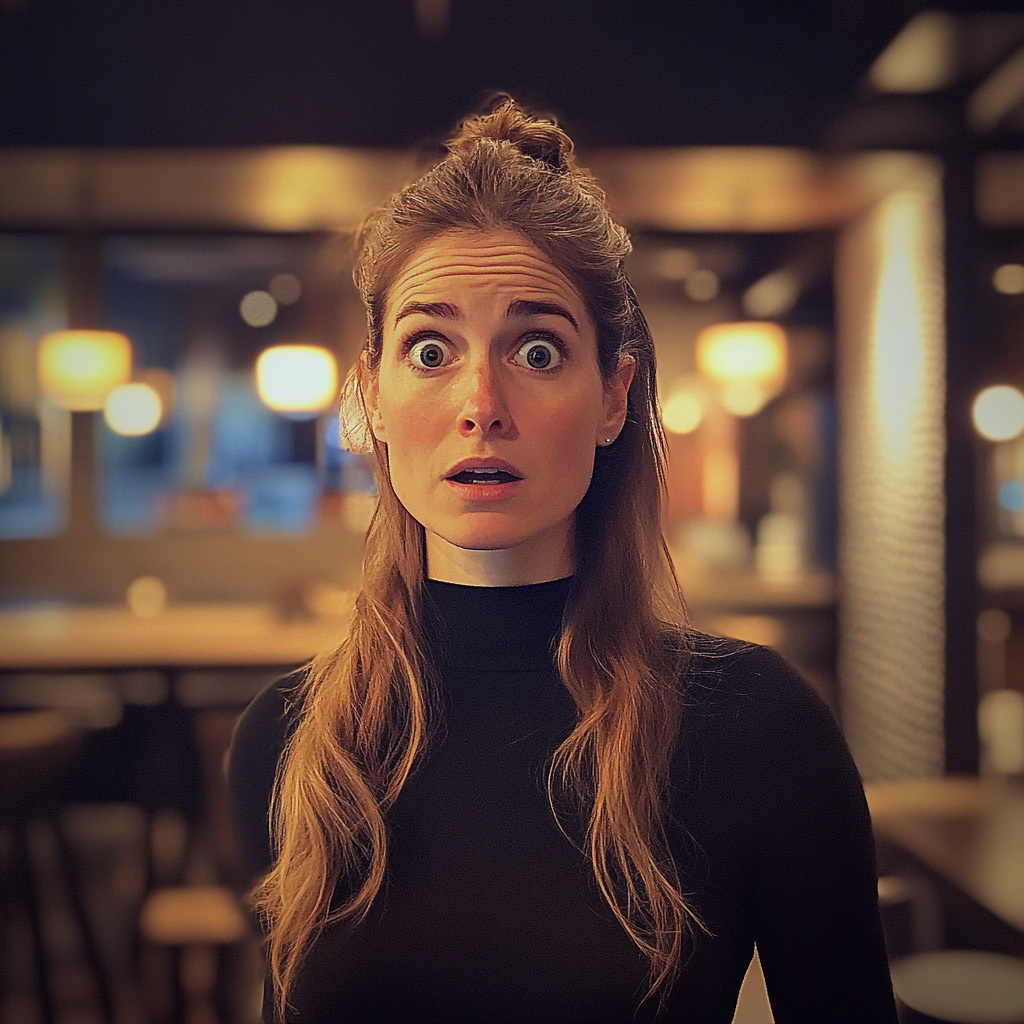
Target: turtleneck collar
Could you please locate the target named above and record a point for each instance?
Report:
(495, 629)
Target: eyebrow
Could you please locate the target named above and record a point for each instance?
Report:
(521, 307)
(527, 307)
(444, 310)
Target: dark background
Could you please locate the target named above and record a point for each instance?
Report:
(363, 73)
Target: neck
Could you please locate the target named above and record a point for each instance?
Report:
(538, 560)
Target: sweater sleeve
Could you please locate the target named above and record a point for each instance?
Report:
(815, 907)
(256, 748)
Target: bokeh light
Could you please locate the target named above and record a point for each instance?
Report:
(78, 369)
(285, 289)
(258, 308)
(999, 413)
(1009, 279)
(133, 409)
(775, 294)
(297, 379)
(701, 285)
(682, 413)
(749, 352)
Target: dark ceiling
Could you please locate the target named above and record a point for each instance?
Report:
(362, 72)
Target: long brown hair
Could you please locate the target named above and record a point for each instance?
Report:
(368, 708)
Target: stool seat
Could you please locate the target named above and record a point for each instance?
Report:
(192, 915)
(962, 986)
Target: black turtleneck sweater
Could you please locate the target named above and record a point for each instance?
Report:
(490, 914)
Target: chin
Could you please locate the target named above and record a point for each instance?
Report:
(485, 540)
(488, 532)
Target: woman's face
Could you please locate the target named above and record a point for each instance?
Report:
(491, 403)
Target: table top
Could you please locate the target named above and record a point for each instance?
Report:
(73, 636)
(968, 831)
(214, 634)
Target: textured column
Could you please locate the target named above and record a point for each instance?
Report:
(891, 382)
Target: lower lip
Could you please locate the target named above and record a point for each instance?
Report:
(484, 492)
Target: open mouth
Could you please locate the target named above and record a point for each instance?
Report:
(483, 476)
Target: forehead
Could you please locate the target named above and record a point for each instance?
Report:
(502, 264)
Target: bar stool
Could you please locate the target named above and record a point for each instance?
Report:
(191, 920)
(202, 924)
(34, 749)
(959, 987)
(911, 915)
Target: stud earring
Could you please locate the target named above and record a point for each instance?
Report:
(608, 440)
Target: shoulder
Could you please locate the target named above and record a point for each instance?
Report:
(265, 725)
(730, 676)
(746, 702)
(761, 756)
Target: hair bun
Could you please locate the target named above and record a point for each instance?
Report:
(505, 121)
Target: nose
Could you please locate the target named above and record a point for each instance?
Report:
(485, 404)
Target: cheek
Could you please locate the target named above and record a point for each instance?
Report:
(409, 419)
(567, 433)
(574, 420)
(414, 432)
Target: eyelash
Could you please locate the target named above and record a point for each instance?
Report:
(413, 340)
(551, 338)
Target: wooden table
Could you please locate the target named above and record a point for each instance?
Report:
(967, 833)
(111, 637)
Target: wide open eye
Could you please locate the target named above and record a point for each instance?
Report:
(429, 354)
(538, 354)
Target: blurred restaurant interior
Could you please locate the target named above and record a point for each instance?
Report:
(827, 208)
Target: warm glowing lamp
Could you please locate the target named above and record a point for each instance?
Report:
(747, 360)
(297, 379)
(133, 409)
(78, 369)
(998, 413)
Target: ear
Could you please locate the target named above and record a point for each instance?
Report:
(616, 399)
(370, 386)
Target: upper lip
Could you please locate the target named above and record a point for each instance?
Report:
(465, 464)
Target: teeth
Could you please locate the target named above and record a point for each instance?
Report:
(482, 471)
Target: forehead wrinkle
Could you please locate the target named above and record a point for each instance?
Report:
(539, 276)
(451, 266)
(515, 266)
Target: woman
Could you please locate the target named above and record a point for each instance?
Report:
(520, 789)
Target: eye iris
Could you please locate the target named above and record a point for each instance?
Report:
(431, 355)
(538, 356)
